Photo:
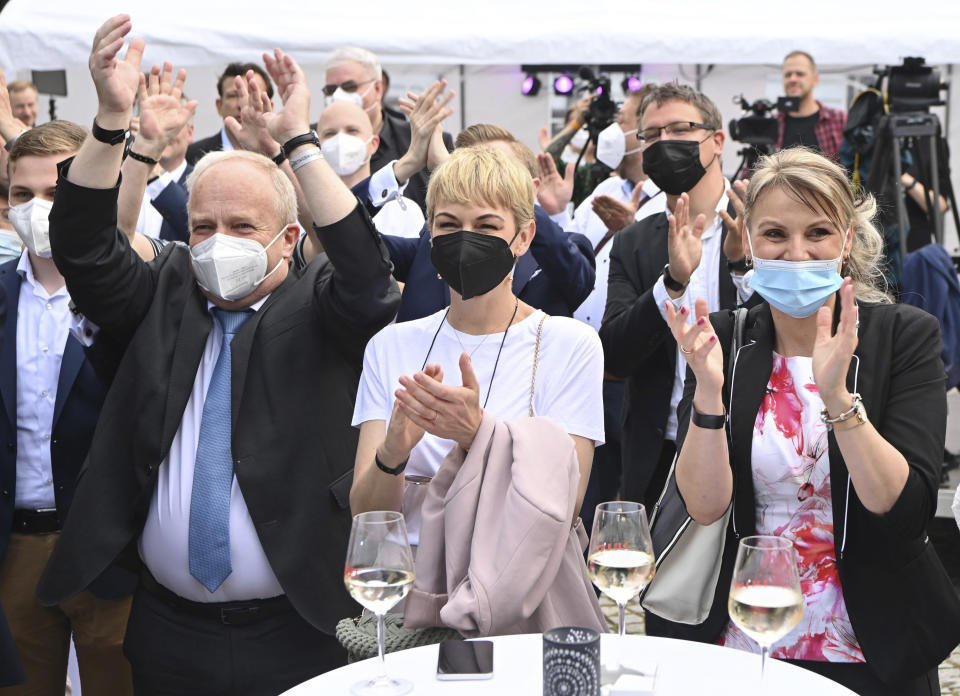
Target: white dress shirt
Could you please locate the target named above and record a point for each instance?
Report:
(589, 224)
(399, 216)
(43, 324)
(165, 542)
(704, 283)
(225, 143)
(150, 220)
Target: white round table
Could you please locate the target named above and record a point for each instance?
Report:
(684, 668)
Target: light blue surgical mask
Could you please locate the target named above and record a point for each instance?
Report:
(797, 288)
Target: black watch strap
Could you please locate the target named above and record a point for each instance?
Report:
(279, 158)
(299, 140)
(670, 282)
(393, 471)
(702, 420)
(142, 158)
(110, 137)
(737, 266)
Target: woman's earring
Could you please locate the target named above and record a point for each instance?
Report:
(748, 261)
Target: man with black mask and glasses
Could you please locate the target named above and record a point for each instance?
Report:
(676, 256)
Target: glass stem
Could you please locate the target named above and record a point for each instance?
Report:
(381, 641)
(622, 620)
(764, 651)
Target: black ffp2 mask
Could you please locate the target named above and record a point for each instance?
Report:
(674, 165)
(470, 262)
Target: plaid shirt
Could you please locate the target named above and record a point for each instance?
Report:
(829, 130)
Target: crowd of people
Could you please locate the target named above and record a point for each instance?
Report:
(215, 351)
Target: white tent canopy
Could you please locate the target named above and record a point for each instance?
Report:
(56, 34)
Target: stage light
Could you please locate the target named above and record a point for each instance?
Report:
(563, 84)
(531, 85)
(631, 83)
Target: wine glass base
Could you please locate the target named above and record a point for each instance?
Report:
(382, 686)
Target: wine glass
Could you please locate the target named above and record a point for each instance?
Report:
(378, 574)
(765, 599)
(620, 559)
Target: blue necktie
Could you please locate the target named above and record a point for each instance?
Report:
(213, 470)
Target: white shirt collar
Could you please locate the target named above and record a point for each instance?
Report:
(225, 143)
(25, 269)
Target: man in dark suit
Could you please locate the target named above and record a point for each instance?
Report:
(225, 462)
(354, 74)
(675, 256)
(229, 102)
(51, 398)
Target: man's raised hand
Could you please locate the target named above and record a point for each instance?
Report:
(117, 80)
(294, 118)
(251, 130)
(162, 116)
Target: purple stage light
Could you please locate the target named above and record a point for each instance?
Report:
(563, 84)
(634, 83)
(530, 86)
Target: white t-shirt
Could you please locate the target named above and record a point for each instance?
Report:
(569, 385)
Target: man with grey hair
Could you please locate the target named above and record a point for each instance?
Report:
(222, 463)
(690, 251)
(354, 74)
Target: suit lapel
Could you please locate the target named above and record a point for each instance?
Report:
(70, 364)
(187, 353)
(10, 280)
(526, 265)
(728, 291)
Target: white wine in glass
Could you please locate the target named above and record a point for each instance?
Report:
(378, 574)
(765, 599)
(620, 559)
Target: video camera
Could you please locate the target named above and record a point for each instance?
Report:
(603, 110)
(913, 86)
(758, 127)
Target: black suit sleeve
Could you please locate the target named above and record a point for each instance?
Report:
(107, 280)
(360, 296)
(632, 327)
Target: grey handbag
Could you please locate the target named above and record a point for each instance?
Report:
(688, 554)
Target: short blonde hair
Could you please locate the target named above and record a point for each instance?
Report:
(822, 186)
(20, 86)
(285, 198)
(52, 138)
(483, 133)
(482, 174)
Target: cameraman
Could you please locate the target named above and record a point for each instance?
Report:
(566, 146)
(812, 124)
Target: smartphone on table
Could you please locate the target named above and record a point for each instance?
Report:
(465, 659)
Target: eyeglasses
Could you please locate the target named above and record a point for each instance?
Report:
(677, 129)
(348, 86)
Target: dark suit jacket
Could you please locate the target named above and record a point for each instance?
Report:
(296, 366)
(565, 261)
(394, 141)
(171, 203)
(198, 148)
(638, 345)
(11, 671)
(883, 560)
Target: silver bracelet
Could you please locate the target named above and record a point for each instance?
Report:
(305, 158)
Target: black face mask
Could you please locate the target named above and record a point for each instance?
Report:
(472, 263)
(674, 165)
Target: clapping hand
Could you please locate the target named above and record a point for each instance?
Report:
(698, 344)
(555, 191)
(403, 433)
(614, 214)
(251, 132)
(162, 117)
(117, 80)
(294, 118)
(426, 112)
(10, 127)
(736, 226)
(453, 413)
(832, 352)
(684, 244)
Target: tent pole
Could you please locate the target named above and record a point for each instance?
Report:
(463, 98)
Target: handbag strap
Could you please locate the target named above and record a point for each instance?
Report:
(536, 359)
(736, 342)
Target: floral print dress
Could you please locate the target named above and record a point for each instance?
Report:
(791, 480)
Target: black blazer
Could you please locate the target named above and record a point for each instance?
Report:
(198, 148)
(638, 345)
(296, 366)
(902, 604)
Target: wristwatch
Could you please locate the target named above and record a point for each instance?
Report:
(109, 137)
(670, 282)
(851, 418)
(299, 140)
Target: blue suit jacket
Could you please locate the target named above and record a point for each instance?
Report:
(555, 275)
(172, 205)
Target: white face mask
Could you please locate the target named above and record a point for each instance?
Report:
(231, 267)
(612, 145)
(353, 97)
(345, 153)
(31, 220)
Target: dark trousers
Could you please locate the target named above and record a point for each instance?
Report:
(174, 653)
(668, 450)
(859, 678)
(604, 481)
